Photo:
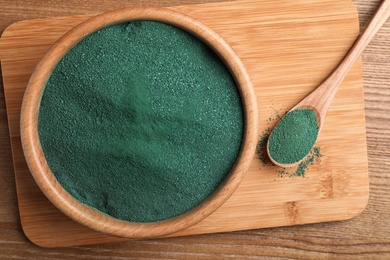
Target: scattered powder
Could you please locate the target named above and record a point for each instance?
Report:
(141, 121)
(313, 157)
(261, 147)
(261, 150)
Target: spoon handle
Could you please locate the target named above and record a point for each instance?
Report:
(328, 89)
(380, 17)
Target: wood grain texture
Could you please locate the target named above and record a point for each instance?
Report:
(364, 237)
(295, 200)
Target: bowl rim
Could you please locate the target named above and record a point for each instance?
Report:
(89, 216)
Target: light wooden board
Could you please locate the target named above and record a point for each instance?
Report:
(288, 47)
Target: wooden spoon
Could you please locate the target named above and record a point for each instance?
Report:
(320, 99)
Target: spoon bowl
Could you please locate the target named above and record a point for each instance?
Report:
(288, 149)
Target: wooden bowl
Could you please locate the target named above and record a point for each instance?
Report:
(89, 216)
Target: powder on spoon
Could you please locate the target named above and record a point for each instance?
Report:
(293, 137)
(141, 121)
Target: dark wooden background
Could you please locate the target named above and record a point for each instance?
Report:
(365, 237)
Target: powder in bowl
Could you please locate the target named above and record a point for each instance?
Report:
(141, 121)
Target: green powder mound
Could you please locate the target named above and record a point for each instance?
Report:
(141, 121)
(293, 137)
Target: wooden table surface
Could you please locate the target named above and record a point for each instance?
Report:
(366, 236)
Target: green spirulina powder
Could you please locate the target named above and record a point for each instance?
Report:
(141, 121)
(293, 137)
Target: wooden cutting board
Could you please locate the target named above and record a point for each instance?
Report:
(288, 48)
